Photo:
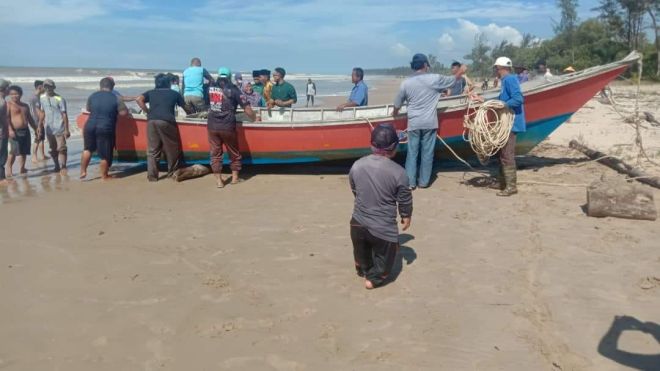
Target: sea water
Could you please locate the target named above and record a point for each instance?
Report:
(76, 84)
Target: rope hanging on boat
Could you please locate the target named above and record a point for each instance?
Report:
(487, 128)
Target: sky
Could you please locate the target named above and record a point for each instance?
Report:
(312, 36)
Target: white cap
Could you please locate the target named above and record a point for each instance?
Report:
(503, 62)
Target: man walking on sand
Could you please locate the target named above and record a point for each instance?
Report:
(221, 125)
(162, 130)
(380, 187)
(104, 107)
(39, 136)
(422, 91)
(54, 120)
(4, 129)
(19, 123)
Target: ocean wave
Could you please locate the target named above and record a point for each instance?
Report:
(75, 79)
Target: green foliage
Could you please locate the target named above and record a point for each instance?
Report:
(481, 61)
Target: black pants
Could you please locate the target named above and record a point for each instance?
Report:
(163, 138)
(374, 257)
(3, 154)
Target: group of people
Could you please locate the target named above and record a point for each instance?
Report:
(383, 189)
(46, 114)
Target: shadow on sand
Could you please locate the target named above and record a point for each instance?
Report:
(609, 347)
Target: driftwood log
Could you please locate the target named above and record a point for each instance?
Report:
(616, 164)
(620, 199)
(190, 172)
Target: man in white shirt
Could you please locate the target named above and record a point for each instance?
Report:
(311, 92)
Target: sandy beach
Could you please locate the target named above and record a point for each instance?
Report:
(129, 275)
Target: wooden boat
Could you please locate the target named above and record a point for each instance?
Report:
(301, 135)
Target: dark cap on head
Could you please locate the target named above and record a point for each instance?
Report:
(49, 82)
(255, 73)
(384, 137)
(418, 61)
(264, 73)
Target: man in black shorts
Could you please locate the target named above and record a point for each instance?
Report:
(99, 134)
(20, 121)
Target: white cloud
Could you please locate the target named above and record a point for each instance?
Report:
(456, 42)
(446, 41)
(400, 50)
(40, 12)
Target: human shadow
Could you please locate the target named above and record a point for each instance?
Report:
(608, 346)
(406, 254)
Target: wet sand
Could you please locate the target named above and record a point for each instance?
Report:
(129, 275)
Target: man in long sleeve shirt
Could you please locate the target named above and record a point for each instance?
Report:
(513, 99)
(422, 91)
(380, 186)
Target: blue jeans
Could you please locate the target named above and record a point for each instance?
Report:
(421, 148)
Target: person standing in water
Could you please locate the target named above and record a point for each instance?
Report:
(380, 187)
(104, 107)
(53, 118)
(19, 120)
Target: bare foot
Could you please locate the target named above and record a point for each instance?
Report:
(23, 171)
(107, 177)
(368, 285)
(83, 175)
(63, 172)
(9, 174)
(220, 183)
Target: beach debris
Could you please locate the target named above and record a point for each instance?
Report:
(190, 172)
(620, 199)
(635, 173)
(648, 283)
(101, 233)
(651, 119)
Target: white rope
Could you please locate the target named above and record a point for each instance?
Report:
(487, 128)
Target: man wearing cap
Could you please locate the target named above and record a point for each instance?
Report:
(4, 129)
(380, 187)
(257, 86)
(53, 118)
(193, 84)
(221, 125)
(543, 72)
(359, 94)
(162, 130)
(422, 91)
(512, 97)
(283, 93)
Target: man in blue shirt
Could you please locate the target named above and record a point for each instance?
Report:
(193, 84)
(513, 99)
(360, 93)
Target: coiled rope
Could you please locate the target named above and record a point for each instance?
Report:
(487, 128)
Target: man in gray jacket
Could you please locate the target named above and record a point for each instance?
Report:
(380, 186)
(422, 91)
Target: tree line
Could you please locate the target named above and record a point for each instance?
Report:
(620, 27)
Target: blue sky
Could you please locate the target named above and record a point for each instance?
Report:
(314, 36)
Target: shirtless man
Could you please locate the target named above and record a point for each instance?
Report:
(18, 117)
